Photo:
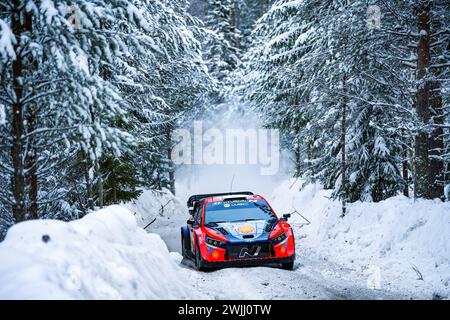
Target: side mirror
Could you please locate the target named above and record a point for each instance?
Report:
(286, 216)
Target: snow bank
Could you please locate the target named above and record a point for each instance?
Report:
(105, 255)
(385, 240)
(165, 212)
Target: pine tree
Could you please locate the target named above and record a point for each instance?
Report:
(327, 80)
(419, 53)
(88, 88)
(54, 70)
(222, 54)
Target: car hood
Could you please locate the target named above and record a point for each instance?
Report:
(245, 230)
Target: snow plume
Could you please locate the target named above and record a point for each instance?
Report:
(235, 175)
(7, 42)
(105, 255)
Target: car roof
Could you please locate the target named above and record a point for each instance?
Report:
(200, 197)
(233, 197)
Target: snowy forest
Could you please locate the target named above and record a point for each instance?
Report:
(91, 91)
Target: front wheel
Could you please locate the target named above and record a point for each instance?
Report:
(198, 260)
(288, 265)
(183, 245)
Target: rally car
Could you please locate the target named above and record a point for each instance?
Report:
(236, 229)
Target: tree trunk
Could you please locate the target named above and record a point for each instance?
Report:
(98, 173)
(114, 193)
(85, 169)
(298, 159)
(31, 165)
(17, 128)
(405, 172)
(423, 103)
(309, 153)
(436, 144)
(31, 156)
(170, 163)
(261, 7)
(343, 149)
(298, 155)
(234, 26)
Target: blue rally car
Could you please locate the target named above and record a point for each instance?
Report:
(236, 229)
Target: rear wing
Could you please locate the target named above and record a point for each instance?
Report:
(198, 197)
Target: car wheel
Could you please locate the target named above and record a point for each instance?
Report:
(198, 260)
(183, 249)
(288, 265)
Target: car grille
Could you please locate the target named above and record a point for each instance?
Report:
(256, 250)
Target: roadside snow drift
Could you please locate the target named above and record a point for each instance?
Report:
(105, 255)
(162, 213)
(399, 243)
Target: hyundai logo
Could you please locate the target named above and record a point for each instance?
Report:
(247, 252)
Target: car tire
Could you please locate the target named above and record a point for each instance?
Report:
(288, 265)
(198, 259)
(183, 249)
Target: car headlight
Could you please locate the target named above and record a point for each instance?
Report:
(279, 238)
(214, 242)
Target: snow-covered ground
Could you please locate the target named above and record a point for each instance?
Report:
(399, 244)
(105, 255)
(369, 254)
(162, 213)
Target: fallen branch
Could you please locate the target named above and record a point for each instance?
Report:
(150, 223)
(419, 274)
(295, 181)
(161, 211)
(303, 217)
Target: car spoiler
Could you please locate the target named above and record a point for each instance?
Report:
(198, 197)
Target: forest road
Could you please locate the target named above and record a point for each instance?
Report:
(313, 277)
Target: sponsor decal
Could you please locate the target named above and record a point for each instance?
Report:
(250, 252)
(245, 229)
(239, 204)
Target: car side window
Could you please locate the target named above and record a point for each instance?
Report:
(198, 213)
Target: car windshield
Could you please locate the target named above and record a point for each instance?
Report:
(241, 210)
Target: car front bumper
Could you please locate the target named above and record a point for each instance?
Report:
(266, 261)
(247, 262)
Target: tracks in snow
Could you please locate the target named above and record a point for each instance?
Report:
(310, 279)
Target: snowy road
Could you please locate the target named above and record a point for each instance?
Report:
(310, 279)
(330, 265)
(314, 276)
